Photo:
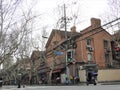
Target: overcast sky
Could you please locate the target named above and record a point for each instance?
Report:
(84, 9)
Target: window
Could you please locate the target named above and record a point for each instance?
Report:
(105, 43)
(89, 56)
(107, 59)
(88, 41)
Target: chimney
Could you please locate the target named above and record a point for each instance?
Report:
(95, 23)
(73, 29)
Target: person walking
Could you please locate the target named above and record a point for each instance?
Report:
(19, 83)
(1, 81)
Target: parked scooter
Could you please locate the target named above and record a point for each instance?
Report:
(91, 74)
(91, 78)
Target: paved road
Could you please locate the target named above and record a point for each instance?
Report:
(90, 87)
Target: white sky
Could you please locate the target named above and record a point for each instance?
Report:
(84, 9)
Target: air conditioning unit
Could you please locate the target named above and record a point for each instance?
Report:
(91, 49)
(88, 46)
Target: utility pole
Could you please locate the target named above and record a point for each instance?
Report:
(66, 47)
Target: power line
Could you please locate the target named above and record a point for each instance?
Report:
(111, 22)
(100, 27)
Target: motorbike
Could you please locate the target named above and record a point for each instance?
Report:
(91, 74)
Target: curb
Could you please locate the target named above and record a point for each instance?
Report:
(111, 83)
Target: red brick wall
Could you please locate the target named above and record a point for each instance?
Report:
(97, 36)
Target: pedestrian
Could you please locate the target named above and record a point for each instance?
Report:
(19, 83)
(67, 81)
(1, 81)
(58, 80)
(77, 80)
(23, 83)
(43, 80)
(71, 79)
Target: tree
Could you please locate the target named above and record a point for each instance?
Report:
(72, 11)
(38, 44)
(115, 13)
(15, 32)
(112, 13)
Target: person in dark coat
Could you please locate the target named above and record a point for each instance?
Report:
(19, 83)
(89, 76)
(1, 81)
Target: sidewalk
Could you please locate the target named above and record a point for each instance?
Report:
(102, 83)
(7, 87)
(80, 84)
(111, 83)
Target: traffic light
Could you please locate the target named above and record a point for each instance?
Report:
(69, 56)
(117, 49)
(117, 53)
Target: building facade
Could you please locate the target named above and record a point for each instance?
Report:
(93, 44)
(39, 66)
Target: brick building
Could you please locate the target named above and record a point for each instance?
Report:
(39, 65)
(93, 45)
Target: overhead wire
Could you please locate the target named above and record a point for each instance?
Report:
(100, 27)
